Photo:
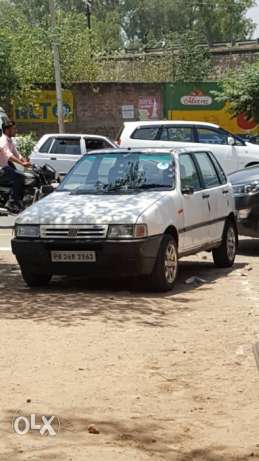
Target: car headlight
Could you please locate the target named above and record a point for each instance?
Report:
(241, 189)
(28, 231)
(127, 231)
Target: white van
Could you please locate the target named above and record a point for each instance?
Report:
(232, 152)
(129, 213)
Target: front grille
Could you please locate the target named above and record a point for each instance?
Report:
(83, 231)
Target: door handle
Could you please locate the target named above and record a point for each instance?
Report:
(224, 192)
(53, 158)
(205, 195)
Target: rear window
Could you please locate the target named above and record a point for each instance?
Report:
(146, 132)
(96, 143)
(46, 146)
(66, 146)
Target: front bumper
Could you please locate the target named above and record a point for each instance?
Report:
(115, 258)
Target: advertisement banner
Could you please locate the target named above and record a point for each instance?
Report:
(44, 108)
(196, 102)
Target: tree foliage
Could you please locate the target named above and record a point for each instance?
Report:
(8, 80)
(241, 92)
(26, 53)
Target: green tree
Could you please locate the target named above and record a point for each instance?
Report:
(193, 60)
(240, 90)
(8, 80)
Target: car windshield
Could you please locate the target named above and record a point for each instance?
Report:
(123, 172)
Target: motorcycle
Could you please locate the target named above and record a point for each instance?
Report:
(38, 182)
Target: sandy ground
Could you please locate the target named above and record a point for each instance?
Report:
(161, 377)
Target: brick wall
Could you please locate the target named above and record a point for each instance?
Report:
(98, 107)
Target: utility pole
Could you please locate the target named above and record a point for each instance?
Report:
(88, 12)
(57, 67)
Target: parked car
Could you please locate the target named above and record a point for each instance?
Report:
(232, 152)
(128, 213)
(246, 190)
(62, 151)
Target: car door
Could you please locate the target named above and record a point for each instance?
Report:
(216, 141)
(65, 151)
(217, 191)
(194, 204)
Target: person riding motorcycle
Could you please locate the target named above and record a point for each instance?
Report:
(8, 157)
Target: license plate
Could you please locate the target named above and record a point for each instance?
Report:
(73, 256)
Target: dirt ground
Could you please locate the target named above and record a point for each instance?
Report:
(161, 377)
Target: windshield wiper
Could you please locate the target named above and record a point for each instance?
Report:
(155, 186)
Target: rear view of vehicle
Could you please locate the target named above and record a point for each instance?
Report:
(63, 151)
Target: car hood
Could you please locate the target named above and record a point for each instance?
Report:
(245, 176)
(64, 208)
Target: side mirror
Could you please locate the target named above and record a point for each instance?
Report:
(47, 189)
(187, 190)
(231, 141)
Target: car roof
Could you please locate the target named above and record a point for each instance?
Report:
(73, 135)
(169, 122)
(149, 150)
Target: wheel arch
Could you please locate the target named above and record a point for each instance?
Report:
(252, 164)
(171, 230)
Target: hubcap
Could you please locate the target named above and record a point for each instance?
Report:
(231, 243)
(170, 263)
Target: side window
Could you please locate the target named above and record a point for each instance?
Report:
(188, 172)
(208, 170)
(209, 136)
(66, 146)
(220, 171)
(146, 132)
(46, 146)
(95, 144)
(177, 133)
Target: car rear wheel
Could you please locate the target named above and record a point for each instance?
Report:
(166, 267)
(34, 280)
(224, 256)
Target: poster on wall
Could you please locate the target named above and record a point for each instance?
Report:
(149, 107)
(128, 112)
(44, 108)
(197, 102)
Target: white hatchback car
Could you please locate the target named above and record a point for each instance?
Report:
(232, 152)
(62, 151)
(129, 213)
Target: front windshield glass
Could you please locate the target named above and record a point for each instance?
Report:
(127, 172)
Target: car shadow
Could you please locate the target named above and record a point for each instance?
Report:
(68, 301)
(150, 435)
(248, 247)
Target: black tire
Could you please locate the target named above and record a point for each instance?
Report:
(224, 255)
(34, 280)
(164, 275)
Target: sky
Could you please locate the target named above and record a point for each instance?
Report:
(254, 14)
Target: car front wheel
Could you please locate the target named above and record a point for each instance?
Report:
(34, 280)
(166, 267)
(224, 255)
